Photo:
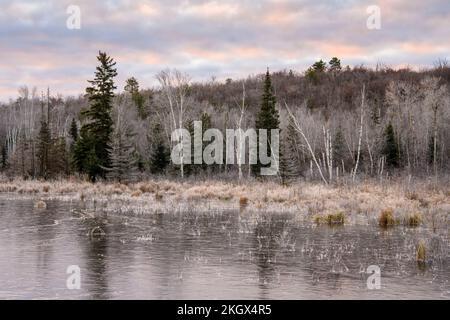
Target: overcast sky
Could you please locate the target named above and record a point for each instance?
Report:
(225, 39)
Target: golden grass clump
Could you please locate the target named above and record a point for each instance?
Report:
(421, 252)
(40, 204)
(386, 218)
(331, 219)
(414, 220)
(336, 219)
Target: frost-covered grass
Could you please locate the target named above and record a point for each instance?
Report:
(359, 203)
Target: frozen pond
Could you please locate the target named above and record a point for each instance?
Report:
(227, 255)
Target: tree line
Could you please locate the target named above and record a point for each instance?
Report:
(336, 123)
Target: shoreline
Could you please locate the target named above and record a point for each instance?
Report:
(361, 203)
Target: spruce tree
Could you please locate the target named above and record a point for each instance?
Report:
(73, 130)
(289, 167)
(123, 166)
(159, 153)
(391, 148)
(93, 147)
(58, 159)
(191, 168)
(267, 118)
(206, 124)
(4, 158)
(44, 145)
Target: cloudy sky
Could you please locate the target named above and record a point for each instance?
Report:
(224, 39)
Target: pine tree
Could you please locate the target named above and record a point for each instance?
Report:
(159, 153)
(132, 87)
(316, 70)
(92, 149)
(44, 145)
(320, 66)
(390, 148)
(267, 118)
(335, 65)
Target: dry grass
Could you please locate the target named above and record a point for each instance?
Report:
(386, 218)
(331, 219)
(359, 202)
(136, 193)
(158, 196)
(40, 204)
(421, 252)
(413, 220)
(243, 202)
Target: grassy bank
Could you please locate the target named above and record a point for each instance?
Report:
(414, 204)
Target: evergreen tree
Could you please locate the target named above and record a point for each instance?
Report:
(159, 153)
(267, 117)
(4, 158)
(20, 162)
(339, 147)
(335, 65)
(315, 70)
(73, 130)
(132, 87)
(319, 66)
(375, 114)
(92, 149)
(81, 150)
(58, 159)
(289, 161)
(123, 157)
(391, 148)
(44, 145)
(206, 124)
(191, 168)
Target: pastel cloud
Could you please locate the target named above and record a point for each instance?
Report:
(226, 38)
